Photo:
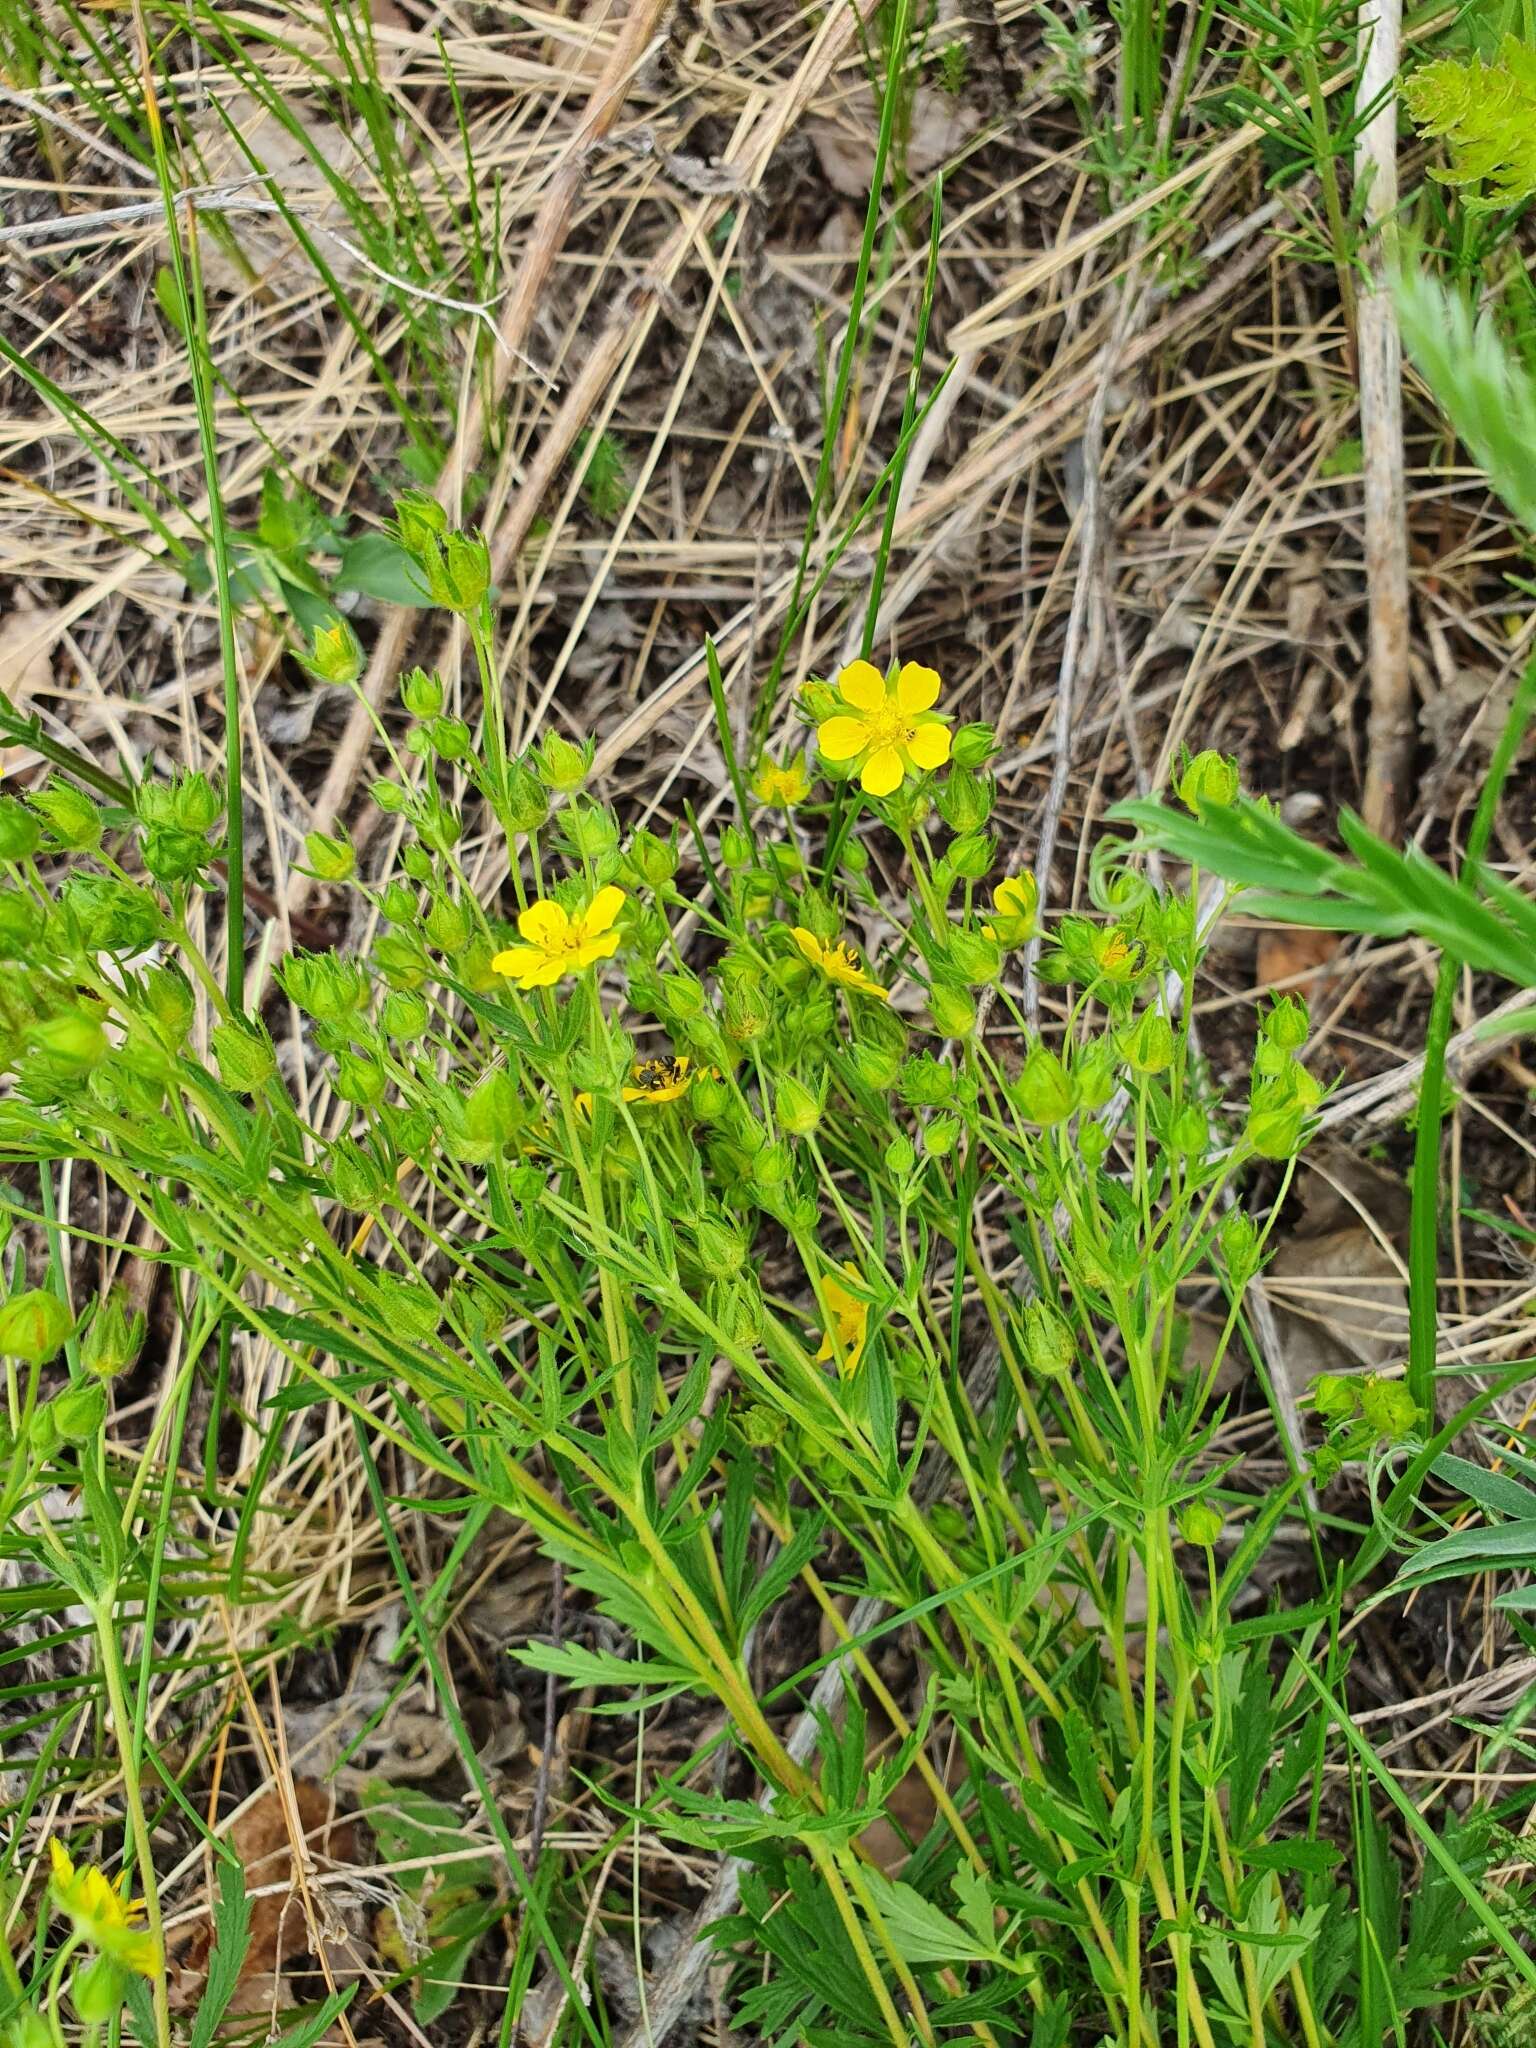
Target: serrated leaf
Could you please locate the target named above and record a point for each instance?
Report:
(231, 1940)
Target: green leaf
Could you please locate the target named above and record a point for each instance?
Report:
(1487, 395)
(231, 1940)
(375, 565)
(643, 1684)
(920, 1932)
(1492, 1490)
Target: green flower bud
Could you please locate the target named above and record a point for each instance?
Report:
(1239, 1240)
(325, 986)
(964, 800)
(463, 576)
(680, 997)
(525, 805)
(762, 1427)
(494, 1114)
(1334, 1396)
(73, 820)
(798, 1110)
(1148, 1046)
(189, 802)
(422, 694)
(357, 1179)
(33, 1326)
(721, 1249)
(747, 1014)
(43, 1432)
(976, 959)
(97, 1990)
(449, 924)
(335, 655)
(926, 1082)
(113, 1338)
(1044, 1090)
(939, 1136)
(1209, 782)
(172, 855)
(971, 856)
(772, 1168)
(27, 2029)
(404, 1015)
(113, 916)
(1049, 1345)
(246, 1059)
(419, 523)
(590, 830)
(735, 849)
(359, 1079)
(650, 860)
(72, 1043)
(900, 1156)
(1093, 1143)
(398, 904)
(389, 797)
(400, 960)
(1190, 1132)
(560, 766)
(1275, 1125)
(709, 1098)
(877, 1065)
(330, 856)
(1200, 1522)
(449, 738)
(972, 746)
(20, 833)
(1388, 1408)
(1095, 1074)
(439, 826)
(952, 1011)
(20, 923)
(79, 1411)
(1287, 1024)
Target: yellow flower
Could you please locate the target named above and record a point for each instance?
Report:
(662, 1080)
(786, 786)
(559, 944)
(1117, 957)
(892, 732)
(839, 963)
(845, 1340)
(102, 1912)
(1014, 901)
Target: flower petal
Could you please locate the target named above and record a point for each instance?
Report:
(917, 688)
(883, 772)
(929, 746)
(531, 966)
(862, 685)
(600, 913)
(809, 944)
(544, 924)
(841, 738)
(598, 947)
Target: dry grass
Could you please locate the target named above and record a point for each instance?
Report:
(1126, 527)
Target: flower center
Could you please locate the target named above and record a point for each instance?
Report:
(654, 1075)
(890, 727)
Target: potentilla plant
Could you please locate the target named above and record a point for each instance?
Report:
(725, 1248)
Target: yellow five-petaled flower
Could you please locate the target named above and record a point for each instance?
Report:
(892, 732)
(658, 1080)
(784, 786)
(849, 1330)
(102, 1912)
(559, 944)
(839, 963)
(1015, 901)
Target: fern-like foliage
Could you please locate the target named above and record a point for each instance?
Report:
(1487, 116)
(1486, 392)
